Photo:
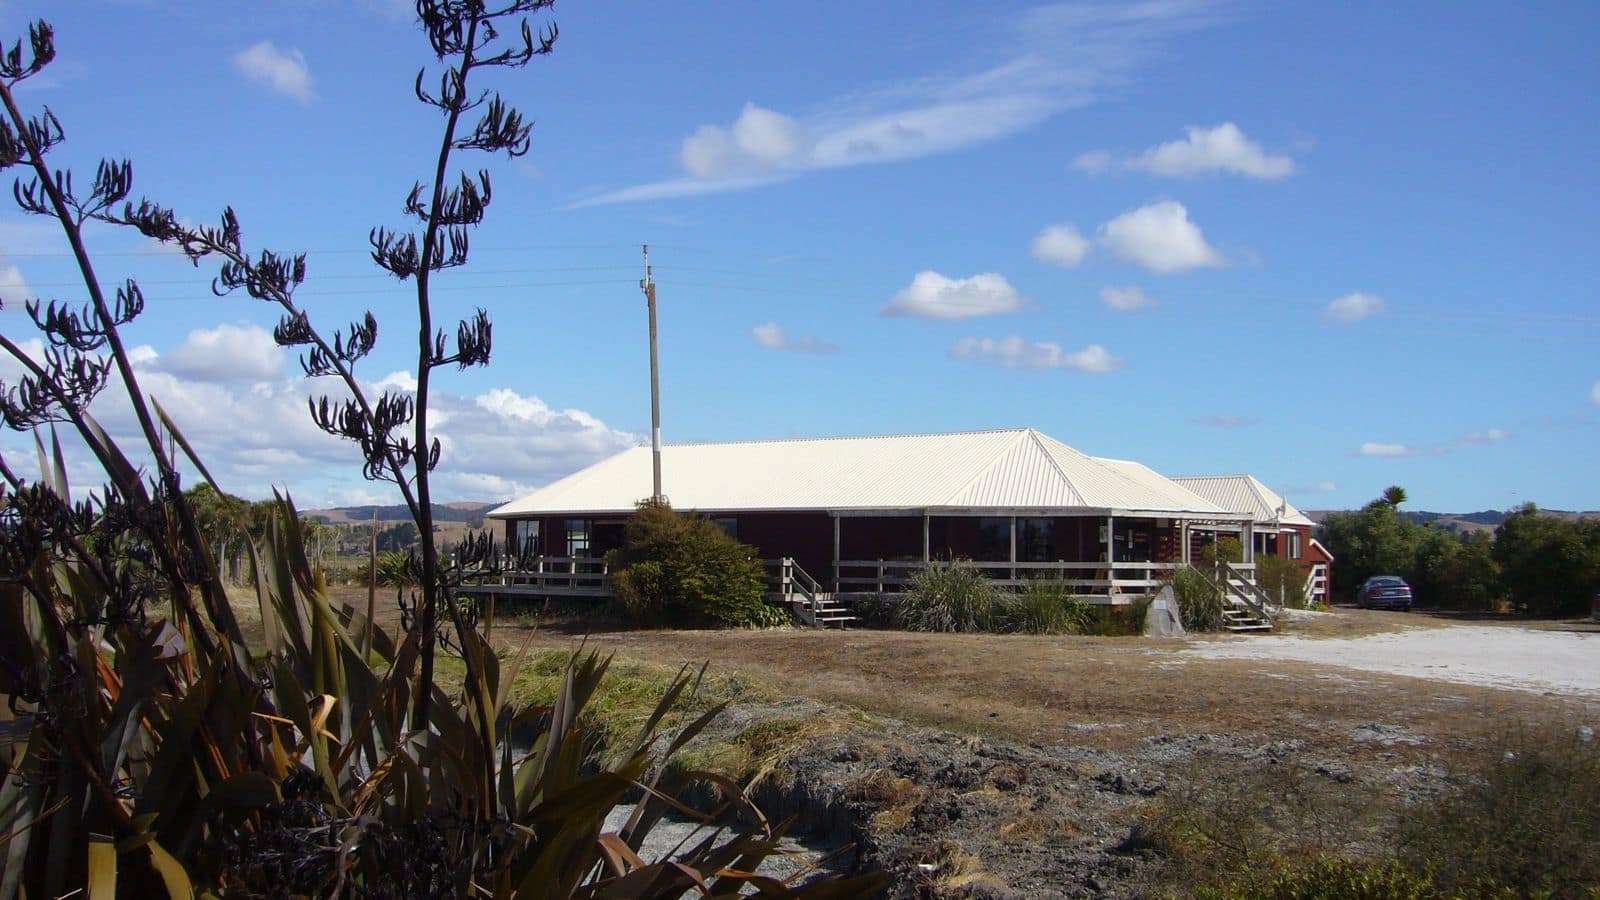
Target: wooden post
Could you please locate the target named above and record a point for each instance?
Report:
(1111, 555)
(836, 521)
(926, 544)
(1013, 571)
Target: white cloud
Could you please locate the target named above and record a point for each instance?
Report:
(285, 73)
(226, 353)
(1204, 151)
(1318, 487)
(1060, 244)
(1125, 299)
(933, 296)
(1049, 59)
(10, 369)
(772, 336)
(1094, 162)
(1014, 352)
(760, 140)
(1594, 394)
(255, 435)
(1489, 436)
(1393, 451)
(1160, 238)
(14, 290)
(1226, 421)
(1354, 307)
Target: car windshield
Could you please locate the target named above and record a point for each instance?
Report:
(1388, 581)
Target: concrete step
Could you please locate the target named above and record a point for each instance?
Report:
(1242, 627)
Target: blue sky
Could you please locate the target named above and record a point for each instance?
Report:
(1338, 246)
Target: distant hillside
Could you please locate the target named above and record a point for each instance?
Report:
(442, 512)
(1485, 520)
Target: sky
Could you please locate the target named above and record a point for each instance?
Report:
(1337, 246)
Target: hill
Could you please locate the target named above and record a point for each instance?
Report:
(460, 511)
(1484, 520)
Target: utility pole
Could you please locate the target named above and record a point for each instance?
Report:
(648, 285)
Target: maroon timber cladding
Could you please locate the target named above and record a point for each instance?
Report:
(805, 536)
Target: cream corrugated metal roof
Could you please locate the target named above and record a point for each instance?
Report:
(1012, 469)
(1245, 494)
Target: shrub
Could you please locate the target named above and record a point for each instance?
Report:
(395, 569)
(683, 570)
(1043, 606)
(949, 596)
(1282, 579)
(1199, 599)
(1330, 878)
(1526, 820)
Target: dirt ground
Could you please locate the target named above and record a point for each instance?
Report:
(1011, 766)
(1024, 766)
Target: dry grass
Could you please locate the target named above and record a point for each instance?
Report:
(1107, 692)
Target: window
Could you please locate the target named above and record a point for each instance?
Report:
(1036, 540)
(525, 537)
(1295, 550)
(578, 537)
(994, 539)
(728, 524)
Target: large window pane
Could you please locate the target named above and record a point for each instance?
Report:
(994, 539)
(1036, 540)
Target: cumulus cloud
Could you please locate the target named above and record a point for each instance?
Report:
(1488, 436)
(1014, 352)
(1203, 151)
(1226, 421)
(772, 336)
(14, 290)
(226, 353)
(1125, 299)
(1045, 61)
(254, 432)
(1393, 451)
(1354, 307)
(1061, 245)
(760, 140)
(283, 72)
(933, 296)
(1160, 237)
(11, 369)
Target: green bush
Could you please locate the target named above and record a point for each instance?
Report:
(1330, 878)
(1282, 578)
(1043, 606)
(1526, 821)
(949, 596)
(1199, 599)
(395, 569)
(684, 571)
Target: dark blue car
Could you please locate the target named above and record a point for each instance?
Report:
(1390, 591)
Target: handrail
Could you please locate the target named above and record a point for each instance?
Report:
(1265, 608)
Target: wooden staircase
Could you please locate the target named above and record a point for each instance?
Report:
(1246, 608)
(805, 597)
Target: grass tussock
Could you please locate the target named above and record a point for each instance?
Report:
(1522, 820)
(892, 796)
(958, 597)
(1526, 818)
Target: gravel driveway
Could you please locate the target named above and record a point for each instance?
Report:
(1494, 656)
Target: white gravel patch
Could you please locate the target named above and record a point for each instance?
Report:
(1520, 658)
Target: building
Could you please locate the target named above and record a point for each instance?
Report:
(1278, 528)
(862, 514)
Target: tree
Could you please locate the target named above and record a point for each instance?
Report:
(683, 570)
(1394, 495)
(1551, 566)
(150, 756)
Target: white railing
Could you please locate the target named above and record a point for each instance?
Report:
(1317, 584)
(1096, 580)
(795, 586)
(578, 576)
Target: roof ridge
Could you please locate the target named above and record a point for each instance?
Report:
(843, 437)
(1051, 458)
(986, 468)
